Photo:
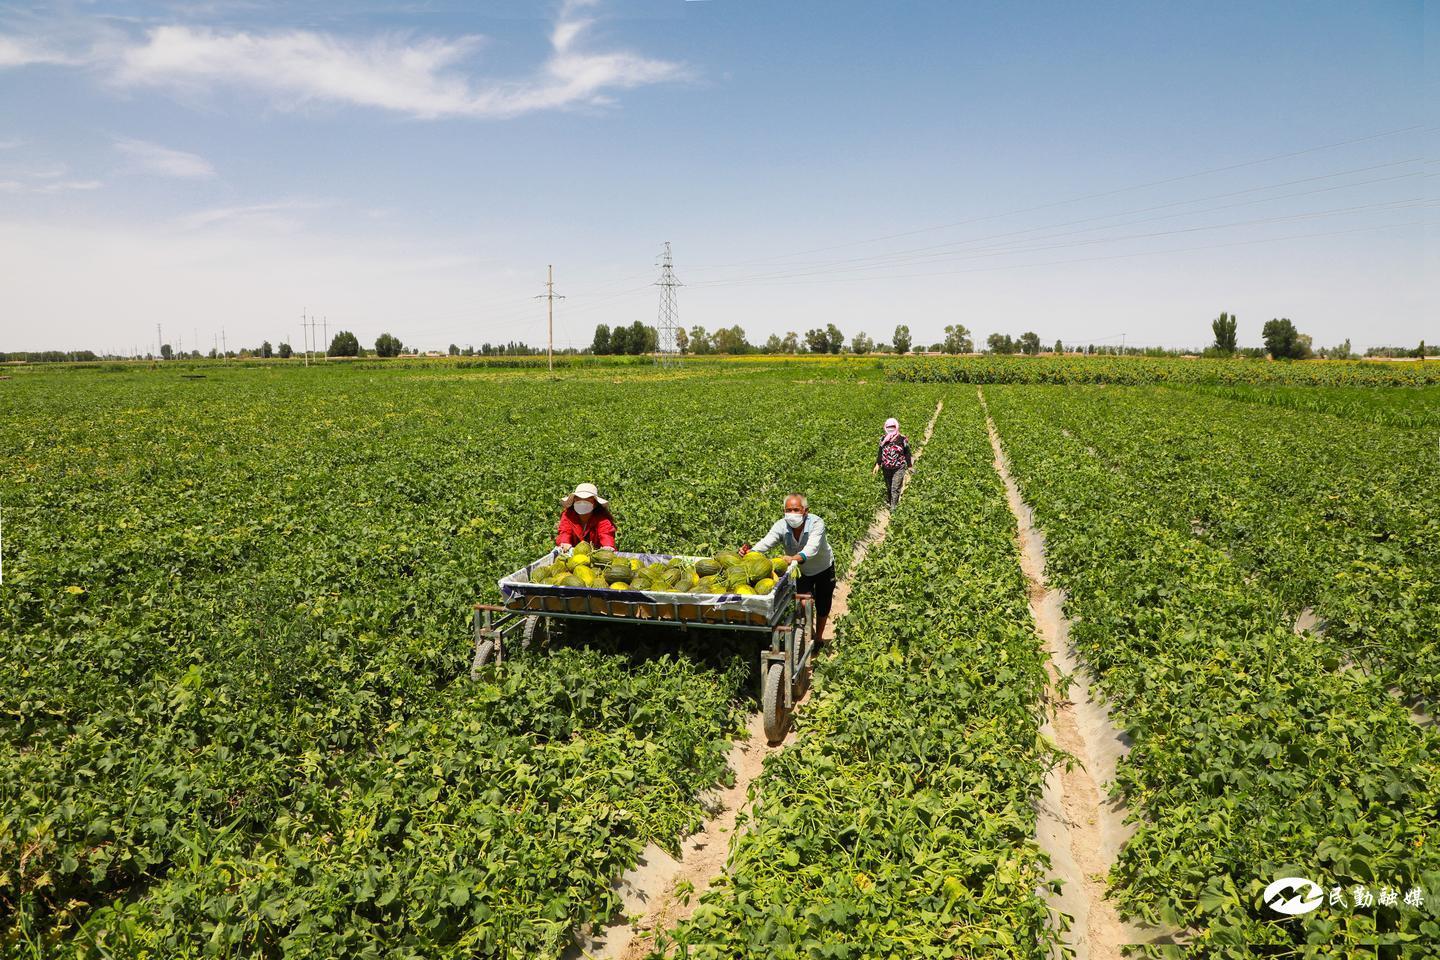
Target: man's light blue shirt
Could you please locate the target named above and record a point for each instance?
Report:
(811, 543)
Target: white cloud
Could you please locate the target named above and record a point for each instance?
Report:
(25, 51)
(153, 158)
(57, 186)
(277, 216)
(420, 78)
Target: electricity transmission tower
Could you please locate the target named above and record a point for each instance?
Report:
(550, 296)
(668, 322)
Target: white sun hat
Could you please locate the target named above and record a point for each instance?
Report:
(584, 490)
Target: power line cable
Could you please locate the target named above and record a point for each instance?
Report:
(902, 254)
(1100, 194)
(1033, 249)
(1118, 256)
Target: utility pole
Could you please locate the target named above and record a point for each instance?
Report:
(224, 347)
(305, 333)
(668, 347)
(325, 339)
(158, 341)
(550, 296)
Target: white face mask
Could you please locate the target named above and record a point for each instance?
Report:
(794, 519)
(583, 507)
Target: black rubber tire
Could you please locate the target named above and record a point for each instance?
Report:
(484, 653)
(772, 703)
(535, 628)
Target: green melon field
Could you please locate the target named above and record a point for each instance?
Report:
(237, 717)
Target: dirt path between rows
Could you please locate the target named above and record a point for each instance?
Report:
(1078, 826)
(661, 890)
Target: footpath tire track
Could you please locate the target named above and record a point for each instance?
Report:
(1078, 826)
(661, 890)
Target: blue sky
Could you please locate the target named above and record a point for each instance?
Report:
(1084, 171)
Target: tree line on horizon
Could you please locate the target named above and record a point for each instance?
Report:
(1280, 337)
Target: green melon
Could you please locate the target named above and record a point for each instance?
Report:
(737, 575)
(708, 568)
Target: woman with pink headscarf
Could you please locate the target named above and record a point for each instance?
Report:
(894, 457)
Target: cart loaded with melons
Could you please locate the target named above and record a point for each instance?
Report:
(753, 593)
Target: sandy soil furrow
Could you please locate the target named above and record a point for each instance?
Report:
(1078, 826)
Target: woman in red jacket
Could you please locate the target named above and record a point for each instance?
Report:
(585, 517)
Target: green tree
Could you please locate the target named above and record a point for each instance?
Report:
(165, 352)
(454, 350)
(1030, 343)
(958, 339)
(1282, 340)
(861, 343)
(816, 340)
(285, 351)
(773, 344)
(643, 339)
(1420, 350)
(1059, 348)
(1223, 327)
(834, 338)
(344, 344)
(791, 343)
(731, 340)
(682, 342)
(620, 340)
(601, 344)
(387, 346)
(636, 340)
(266, 351)
(901, 339)
(700, 342)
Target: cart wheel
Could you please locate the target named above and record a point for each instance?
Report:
(535, 628)
(807, 623)
(772, 704)
(484, 653)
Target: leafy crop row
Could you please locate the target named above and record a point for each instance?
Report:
(1413, 407)
(1140, 370)
(1331, 513)
(900, 822)
(235, 613)
(1254, 757)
